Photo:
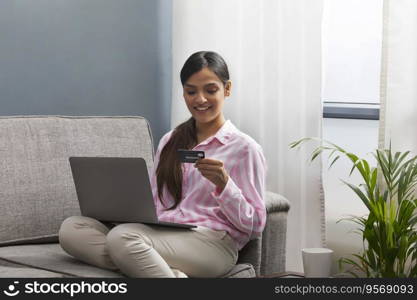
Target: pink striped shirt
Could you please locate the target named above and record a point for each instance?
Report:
(239, 208)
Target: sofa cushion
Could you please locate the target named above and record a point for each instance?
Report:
(52, 258)
(36, 187)
(11, 270)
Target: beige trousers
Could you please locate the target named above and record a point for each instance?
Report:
(149, 251)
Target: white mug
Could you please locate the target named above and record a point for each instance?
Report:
(317, 262)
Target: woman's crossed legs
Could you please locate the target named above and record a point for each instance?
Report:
(149, 251)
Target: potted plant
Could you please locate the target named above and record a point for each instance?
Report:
(388, 191)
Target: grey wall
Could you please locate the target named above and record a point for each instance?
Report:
(86, 57)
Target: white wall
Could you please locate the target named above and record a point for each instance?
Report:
(361, 138)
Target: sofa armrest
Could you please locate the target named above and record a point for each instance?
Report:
(276, 203)
(267, 253)
(274, 235)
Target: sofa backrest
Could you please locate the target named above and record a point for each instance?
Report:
(36, 187)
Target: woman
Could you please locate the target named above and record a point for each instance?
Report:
(222, 194)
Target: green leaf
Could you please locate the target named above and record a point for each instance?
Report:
(361, 195)
(374, 176)
(296, 143)
(316, 153)
(334, 160)
(303, 140)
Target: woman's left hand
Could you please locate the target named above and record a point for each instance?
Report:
(214, 171)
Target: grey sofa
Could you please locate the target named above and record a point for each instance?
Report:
(37, 194)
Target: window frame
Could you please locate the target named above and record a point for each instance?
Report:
(351, 110)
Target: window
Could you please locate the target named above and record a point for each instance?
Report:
(352, 42)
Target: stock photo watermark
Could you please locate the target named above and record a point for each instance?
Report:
(72, 289)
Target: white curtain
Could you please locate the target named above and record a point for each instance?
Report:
(273, 49)
(398, 121)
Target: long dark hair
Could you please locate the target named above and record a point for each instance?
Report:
(184, 136)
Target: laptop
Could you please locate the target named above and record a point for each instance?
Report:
(116, 189)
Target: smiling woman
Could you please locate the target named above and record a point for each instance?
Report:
(221, 195)
(206, 84)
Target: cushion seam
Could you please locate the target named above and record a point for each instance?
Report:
(36, 267)
(26, 240)
(246, 268)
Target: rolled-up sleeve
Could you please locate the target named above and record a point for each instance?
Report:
(242, 199)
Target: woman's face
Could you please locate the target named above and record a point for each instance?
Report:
(204, 94)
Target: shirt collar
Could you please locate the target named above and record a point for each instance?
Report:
(224, 133)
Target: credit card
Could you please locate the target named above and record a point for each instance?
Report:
(189, 156)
